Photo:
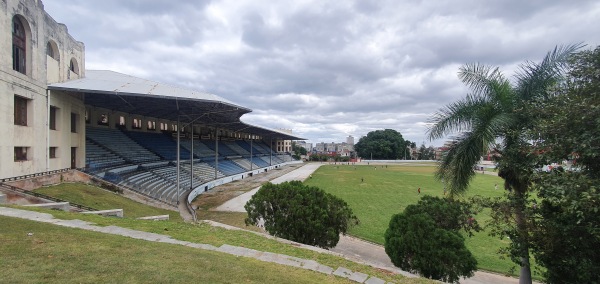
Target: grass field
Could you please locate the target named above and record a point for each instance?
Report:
(386, 191)
(102, 199)
(64, 255)
(17, 247)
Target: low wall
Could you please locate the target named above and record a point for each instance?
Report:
(64, 206)
(155, 218)
(111, 212)
(209, 185)
(50, 179)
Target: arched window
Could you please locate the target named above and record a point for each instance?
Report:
(49, 50)
(52, 50)
(73, 66)
(19, 41)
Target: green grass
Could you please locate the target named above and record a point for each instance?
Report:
(98, 198)
(204, 233)
(65, 255)
(386, 191)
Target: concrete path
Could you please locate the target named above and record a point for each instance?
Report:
(353, 248)
(237, 204)
(233, 250)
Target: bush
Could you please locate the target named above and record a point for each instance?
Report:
(294, 211)
(425, 238)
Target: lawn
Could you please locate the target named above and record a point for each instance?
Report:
(385, 191)
(56, 254)
(198, 233)
(101, 199)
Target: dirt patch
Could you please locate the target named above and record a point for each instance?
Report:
(225, 192)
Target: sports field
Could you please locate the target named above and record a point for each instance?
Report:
(376, 192)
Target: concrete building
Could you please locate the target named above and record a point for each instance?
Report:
(350, 140)
(43, 130)
(49, 101)
(284, 146)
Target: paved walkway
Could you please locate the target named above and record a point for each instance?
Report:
(233, 250)
(353, 248)
(237, 204)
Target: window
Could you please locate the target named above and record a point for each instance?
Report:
(87, 116)
(21, 153)
(73, 66)
(21, 111)
(151, 125)
(52, 122)
(103, 119)
(137, 124)
(18, 45)
(52, 152)
(74, 117)
(163, 126)
(49, 50)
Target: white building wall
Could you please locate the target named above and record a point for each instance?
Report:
(39, 29)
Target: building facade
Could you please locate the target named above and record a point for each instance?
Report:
(42, 130)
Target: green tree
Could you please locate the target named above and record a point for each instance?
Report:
(426, 153)
(298, 150)
(385, 144)
(566, 223)
(425, 238)
(497, 109)
(305, 214)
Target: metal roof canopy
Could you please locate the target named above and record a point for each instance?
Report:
(129, 94)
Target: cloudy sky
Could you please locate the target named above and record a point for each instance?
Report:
(325, 69)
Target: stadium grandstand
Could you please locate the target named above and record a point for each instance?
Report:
(158, 140)
(200, 137)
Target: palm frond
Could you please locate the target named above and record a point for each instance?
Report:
(480, 78)
(455, 117)
(534, 79)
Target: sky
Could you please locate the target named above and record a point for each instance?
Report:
(325, 69)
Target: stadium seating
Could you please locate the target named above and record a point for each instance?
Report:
(159, 143)
(118, 143)
(144, 161)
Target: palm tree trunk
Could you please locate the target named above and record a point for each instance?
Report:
(523, 232)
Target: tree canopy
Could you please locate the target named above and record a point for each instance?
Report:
(305, 214)
(385, 144)
(565, 219)
(425, 238)
(495, 109)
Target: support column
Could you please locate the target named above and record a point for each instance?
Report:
(271, 152)
(216, 152)
(251, 157)
(178, 160)
(192, 159)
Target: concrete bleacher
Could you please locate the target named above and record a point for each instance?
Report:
(227, 167)
(260, 162)
(203, 170)
(261, 147)
(118, 143)
(144, 163)
(245, 163)
(200, 148)
(237, 148)
(160, 144)
(97, 157)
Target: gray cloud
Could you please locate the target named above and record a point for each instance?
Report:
(326, 70)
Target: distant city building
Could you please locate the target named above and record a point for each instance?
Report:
(305, 145)
(284, 145)
(350, 140)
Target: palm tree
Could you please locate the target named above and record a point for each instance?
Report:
(496, 110)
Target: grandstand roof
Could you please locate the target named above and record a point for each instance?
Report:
(129, 94)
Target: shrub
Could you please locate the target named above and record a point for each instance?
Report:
(425, 238)
(294, 211)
